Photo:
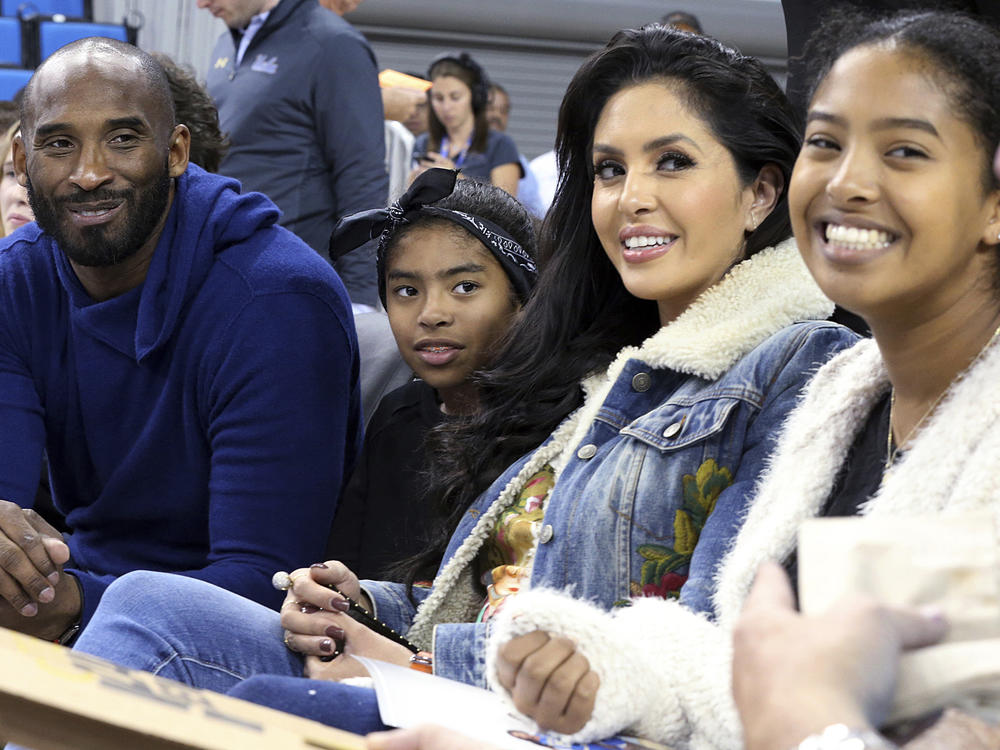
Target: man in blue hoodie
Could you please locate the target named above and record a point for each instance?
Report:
(189, 366)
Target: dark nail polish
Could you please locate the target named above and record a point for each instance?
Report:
(317, 565)
(334, 632)
(328, 657)
(326, 645)
(341, 605)
(307, 609)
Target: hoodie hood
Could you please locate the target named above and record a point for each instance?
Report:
(208, 215)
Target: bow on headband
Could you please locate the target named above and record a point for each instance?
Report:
(431, 186)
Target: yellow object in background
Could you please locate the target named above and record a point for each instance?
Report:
(390, 78)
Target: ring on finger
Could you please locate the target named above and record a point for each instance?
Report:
(283, 581)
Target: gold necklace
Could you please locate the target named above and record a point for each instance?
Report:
(890, 451)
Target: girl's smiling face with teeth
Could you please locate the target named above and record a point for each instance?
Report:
(887, 197)
(668, 207)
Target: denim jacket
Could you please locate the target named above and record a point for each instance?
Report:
(655, 470)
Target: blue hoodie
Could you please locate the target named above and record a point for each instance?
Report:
(201, 423)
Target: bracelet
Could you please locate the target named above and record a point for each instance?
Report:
(423, 661)
(69, 635)
(842, 737)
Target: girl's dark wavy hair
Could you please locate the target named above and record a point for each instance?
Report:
(960, 53)
(580, 314)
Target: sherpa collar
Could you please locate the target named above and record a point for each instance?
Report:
(754, 300)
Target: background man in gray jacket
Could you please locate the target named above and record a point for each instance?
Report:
(297, 91)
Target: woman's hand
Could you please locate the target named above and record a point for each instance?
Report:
(358, 640)
(434, 159)
(311, 612)
(549, 681)
(316, 624)
(428, 161)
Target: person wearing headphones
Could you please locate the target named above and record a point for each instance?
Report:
(459, 136)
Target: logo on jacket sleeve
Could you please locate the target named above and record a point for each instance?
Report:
(265, 64)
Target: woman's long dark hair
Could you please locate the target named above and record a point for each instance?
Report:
(580, 314)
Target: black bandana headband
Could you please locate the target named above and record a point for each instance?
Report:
(434, 184)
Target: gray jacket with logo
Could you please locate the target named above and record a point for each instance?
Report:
(304, 113)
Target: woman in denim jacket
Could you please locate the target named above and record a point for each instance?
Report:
(671, 294)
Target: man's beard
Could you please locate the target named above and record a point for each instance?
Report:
(101, 245)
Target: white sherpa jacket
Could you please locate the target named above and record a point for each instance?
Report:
(665, 671)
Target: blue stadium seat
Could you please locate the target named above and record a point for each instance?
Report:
(10, 41)
(70, 8)
(52, 35)
(12, 80)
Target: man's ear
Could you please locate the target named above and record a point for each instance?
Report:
(180, 150)
(20, 160)
(766, 188)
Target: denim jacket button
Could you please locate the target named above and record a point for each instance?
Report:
(672, 430)
(587, 451)
(545, 534)
(641, 381)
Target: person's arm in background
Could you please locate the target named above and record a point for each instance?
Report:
(350, 132)
(506, 170)
(506, 177)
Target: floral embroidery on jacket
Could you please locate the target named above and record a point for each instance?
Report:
(658, 576)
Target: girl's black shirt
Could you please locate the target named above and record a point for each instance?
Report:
(860, 476)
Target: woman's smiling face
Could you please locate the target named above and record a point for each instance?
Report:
(668, 205)
(887, 198)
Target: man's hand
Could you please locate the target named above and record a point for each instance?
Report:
(32, 554)
(795, 675)
(53, 619)
(549, 681)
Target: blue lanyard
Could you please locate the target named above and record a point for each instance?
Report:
(461, 157)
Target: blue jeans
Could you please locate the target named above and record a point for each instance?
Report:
(204, 636)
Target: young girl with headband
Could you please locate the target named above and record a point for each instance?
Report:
(455, 264)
